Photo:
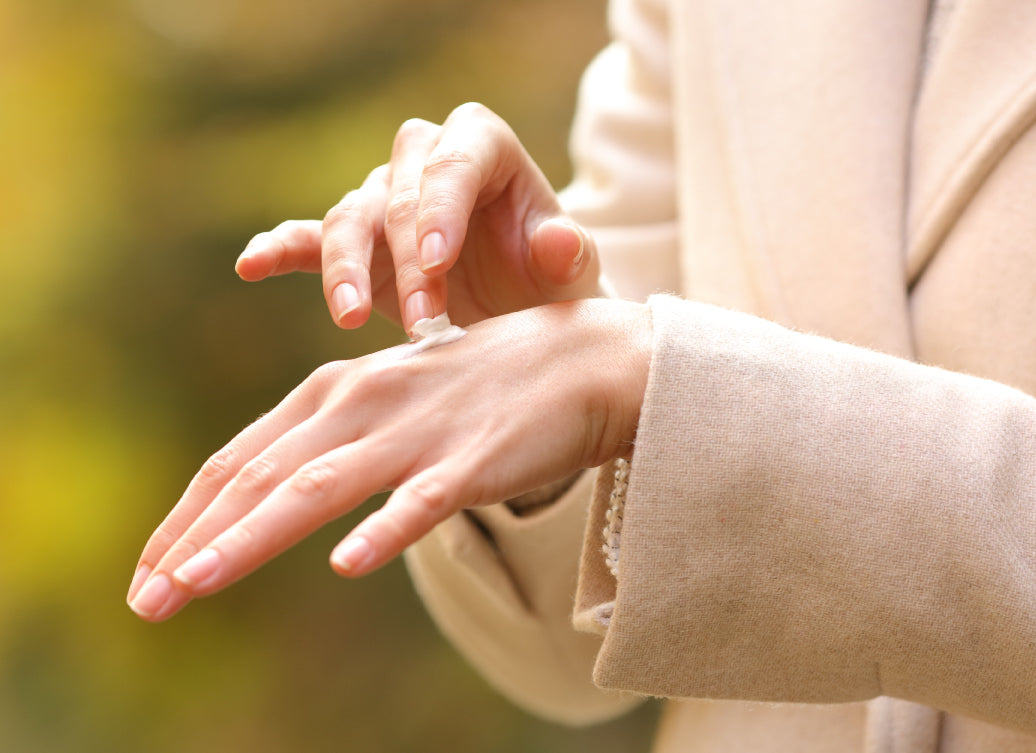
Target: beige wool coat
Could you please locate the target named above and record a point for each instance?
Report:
(829, 531)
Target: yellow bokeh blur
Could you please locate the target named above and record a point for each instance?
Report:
(142, 142)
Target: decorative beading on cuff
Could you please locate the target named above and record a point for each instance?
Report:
(613, 530)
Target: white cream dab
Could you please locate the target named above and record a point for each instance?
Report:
(429, 333)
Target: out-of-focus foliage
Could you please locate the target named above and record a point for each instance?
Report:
(142, 142)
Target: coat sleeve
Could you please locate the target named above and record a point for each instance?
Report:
(500, 581)
(809, 521)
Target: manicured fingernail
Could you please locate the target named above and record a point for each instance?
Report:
(433, 251)
(198, 568)
(153, 596)
(418, 307)
(344, 299)
(351, 554)
(138, 580)
(582, 244)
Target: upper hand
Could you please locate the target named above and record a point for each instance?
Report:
(459, 207)
(520, 401)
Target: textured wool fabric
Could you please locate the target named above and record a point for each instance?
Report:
(817, 522)
(806, 521)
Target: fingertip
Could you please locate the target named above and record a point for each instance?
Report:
(252, 264)
(345, 303)
(152, 597)
(247, 268)
(139, 578)
(418, 306)
(560, 252)
(178, 601)
(200, 572)
(353, 557)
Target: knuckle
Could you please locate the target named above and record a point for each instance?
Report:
(219, 469)
(379, 175)
(258, 476)
(404, 520)
(327, 375)
(368, 383)
(287, 228)
(450, 162)
(483, 118)
(402, 206)
(472, 110)
(315, 479)
(162, 539)
(293, 232)
(261, 238)
(429, 496)
(183, 550)
(240, 537)
(411, 129)
(350, 209)
(343, 268)
(393, 528)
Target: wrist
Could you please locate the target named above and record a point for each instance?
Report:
(621, 335)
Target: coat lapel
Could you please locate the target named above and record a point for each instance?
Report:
(979, 96)
(793, 135)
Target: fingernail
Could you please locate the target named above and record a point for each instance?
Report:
(582, 244)
(351, 554)
(138, 580)
(198, 568)
(153, 596)
(433, 251)
(344, 298)
(418, 307)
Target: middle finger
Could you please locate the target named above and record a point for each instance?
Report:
(420, 296)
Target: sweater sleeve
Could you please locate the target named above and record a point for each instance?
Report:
(809, 521)
(500, 581)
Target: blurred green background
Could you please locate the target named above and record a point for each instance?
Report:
(142, 142)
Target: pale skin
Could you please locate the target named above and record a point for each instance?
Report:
(545, 383)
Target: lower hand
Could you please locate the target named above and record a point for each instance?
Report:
(520, 401)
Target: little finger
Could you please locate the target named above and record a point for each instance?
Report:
(410, 513)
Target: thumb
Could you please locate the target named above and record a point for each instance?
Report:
(564, 260)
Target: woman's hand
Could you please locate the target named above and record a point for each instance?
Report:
(459, 208)
(520, 401)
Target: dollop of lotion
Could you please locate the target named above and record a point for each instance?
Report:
(429, 333)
